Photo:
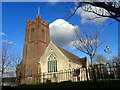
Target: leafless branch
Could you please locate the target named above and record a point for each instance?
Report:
(88, 42)
(111, 8)
(73, 13)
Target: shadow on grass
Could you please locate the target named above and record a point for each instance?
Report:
(112, 84)
(8, 88)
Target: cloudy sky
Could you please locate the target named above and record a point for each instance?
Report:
(14, 16)
(62, 32)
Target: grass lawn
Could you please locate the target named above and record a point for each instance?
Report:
(112, 84)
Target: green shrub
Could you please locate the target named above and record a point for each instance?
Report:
(82, 84)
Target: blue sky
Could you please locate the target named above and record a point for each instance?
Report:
(14, 16)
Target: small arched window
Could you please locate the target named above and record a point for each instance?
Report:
(43, 34)
(52, 63)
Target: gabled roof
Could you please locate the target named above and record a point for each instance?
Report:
(72, 57)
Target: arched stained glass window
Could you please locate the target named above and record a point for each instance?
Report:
(52, 63)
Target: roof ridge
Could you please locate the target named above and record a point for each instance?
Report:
(66, 51)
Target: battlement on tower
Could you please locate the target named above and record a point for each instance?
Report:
(37, 21)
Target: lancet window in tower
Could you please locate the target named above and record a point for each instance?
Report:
(52, 63)
(43, 34)
(32, 34)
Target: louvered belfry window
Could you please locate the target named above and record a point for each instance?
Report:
(52, 63)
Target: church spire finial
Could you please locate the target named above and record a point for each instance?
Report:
(38, 10)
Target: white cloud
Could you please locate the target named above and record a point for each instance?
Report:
(89, 15)
(62, 32)
(7, 41)
(53, 2)
(1, 34)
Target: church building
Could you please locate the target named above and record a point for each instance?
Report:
(40, 55)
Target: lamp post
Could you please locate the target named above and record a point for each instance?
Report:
(108, 51)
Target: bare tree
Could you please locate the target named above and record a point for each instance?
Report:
(6, 57)
(106, 9)
(88, 42)
(16, 60)
(99, 58)
(10, 59)
(115, 59)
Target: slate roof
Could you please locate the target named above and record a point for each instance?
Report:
(72, 57)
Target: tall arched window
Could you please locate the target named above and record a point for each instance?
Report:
(52, 63)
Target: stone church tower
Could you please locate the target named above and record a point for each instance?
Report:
(37, 39)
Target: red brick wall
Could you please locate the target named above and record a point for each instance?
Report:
(38, 45)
